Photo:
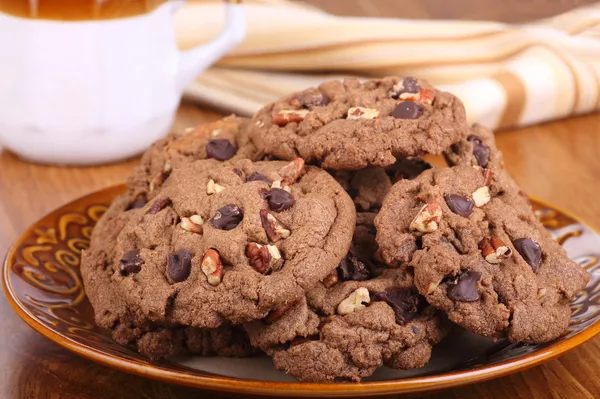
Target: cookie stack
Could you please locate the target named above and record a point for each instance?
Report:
(313, 232)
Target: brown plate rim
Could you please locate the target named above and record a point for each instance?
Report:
(294, 389)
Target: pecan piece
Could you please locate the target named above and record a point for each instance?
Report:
(212, 267)
(291, 172)
(331, 280)
(362, 113)
(284, 117)
(192, 224)
(274, 228)
(354, 302)
(424, 96)
(494, 250)
(487, 176)
(262, 257)
(213, 188)
(277, 314)
(481, 196)
(427, 219)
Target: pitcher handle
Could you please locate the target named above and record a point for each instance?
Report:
(197, 59)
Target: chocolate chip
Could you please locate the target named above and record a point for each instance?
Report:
(460, 205)
(464, 288)
(220, 149)
(139, 202)
(227, 218)
(409, 85)
(130, 262)
(179, 265)
(311, 100)
(481, 152)
(352, 268)
(407, 110)
(279, 199)
(159, 205)
(530, 251)
(404, 301)
(255, 176)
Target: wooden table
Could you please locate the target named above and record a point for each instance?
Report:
(559, 162)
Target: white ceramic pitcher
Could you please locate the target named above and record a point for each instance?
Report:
(89, 92)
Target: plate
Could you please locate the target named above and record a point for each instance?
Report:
(42, 283)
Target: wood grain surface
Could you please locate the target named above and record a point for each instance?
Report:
(558, 162)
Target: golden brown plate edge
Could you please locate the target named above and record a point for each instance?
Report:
(297, 389)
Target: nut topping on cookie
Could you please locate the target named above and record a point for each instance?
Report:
(220, 149)
(193, 224)
(460, 205)
(354, 301)
(159, 205)
(291, 172)
(432, 287)
(227, 218)
(424, 96)
(487, 176)
(275, 315)
(212, 267)
(427, 219)
(331, 279)
(274, 228)
(407, 110)
(279, 199)
(284, 117)
(179, 265)
(362, 113)
(213, 188)
(494, 250)
(277, 184)
(130, 262)
(530, 251)
(481, 196)
(262, 257)
(464, 288)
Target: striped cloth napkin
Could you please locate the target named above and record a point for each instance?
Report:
(506, 75)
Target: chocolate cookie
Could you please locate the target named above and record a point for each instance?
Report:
(360, 318)
(479, 253)
(128, 325)
(348, 125)
(223, 141)
(230, 244)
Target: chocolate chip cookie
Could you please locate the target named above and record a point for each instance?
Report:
(230, 244)
(130, 326)
(348, 125)
(359, 318)
(223, 141)
(479, 253)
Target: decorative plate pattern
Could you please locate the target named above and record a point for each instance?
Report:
(42, 282)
